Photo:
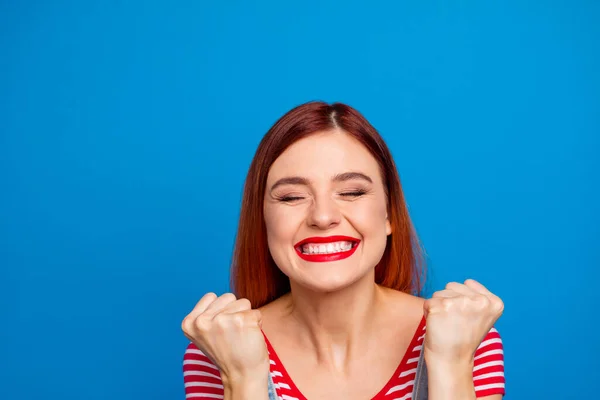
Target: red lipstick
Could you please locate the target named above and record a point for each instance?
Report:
(339, 255)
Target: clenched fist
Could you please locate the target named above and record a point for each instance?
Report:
(458, 319)
(228, 331)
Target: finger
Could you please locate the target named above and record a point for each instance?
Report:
(431, 305)
(460, 288)
(219, 304)
(253, 317)
(202, 304)
(247, 319)
(477, 287)
(446, 293)
(237, 306)
(496, 301)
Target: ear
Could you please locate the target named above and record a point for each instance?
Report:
(388, 226)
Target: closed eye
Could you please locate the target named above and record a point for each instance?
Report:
(351, 194)
(289, 198)
(355, 193)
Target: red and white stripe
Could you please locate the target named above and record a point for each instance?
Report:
(202, 379)
(488, 369)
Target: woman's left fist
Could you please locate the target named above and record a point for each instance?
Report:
(458, 319)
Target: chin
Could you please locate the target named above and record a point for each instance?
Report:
(325, 277)
(328, 281)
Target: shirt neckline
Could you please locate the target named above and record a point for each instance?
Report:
(380, 395)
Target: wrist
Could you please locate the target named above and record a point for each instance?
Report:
(450, 379)
(441, 361)
(245, 386)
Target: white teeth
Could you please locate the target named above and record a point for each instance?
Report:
(329, 248)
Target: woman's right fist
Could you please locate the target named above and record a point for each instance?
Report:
(228, 331)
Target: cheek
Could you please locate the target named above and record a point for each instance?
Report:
(281, 226)
(370, 219)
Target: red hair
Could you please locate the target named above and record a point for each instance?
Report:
(254, 274)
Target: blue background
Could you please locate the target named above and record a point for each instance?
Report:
(127, 127)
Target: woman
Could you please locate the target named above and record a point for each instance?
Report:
(325, 271)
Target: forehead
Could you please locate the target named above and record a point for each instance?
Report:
(324, 154)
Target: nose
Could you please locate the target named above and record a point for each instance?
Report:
(324, 213)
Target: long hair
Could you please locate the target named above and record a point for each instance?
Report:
(254, 274)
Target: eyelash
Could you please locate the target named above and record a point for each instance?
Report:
(355, 193)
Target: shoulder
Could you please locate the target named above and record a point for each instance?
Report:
(491, 350)
(399, 319)
(488, 367)
(275, 313)
(201, 376)
(276, 306)
(402, 305)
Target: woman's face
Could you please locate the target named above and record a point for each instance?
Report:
(325, 211)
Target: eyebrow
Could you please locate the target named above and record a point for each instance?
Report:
(348, 176)
(298, 180)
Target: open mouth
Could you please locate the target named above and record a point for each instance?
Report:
(331, 248)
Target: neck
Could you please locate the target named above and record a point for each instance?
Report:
(335, 325)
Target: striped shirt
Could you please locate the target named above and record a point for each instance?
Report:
(202, 378)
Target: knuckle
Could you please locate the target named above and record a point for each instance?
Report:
(482, 302)
(245, 303)
(431, 304)
(210, 295)
(498, 305)
(447, 303)
(238, 320)
(202, 324)
(221, 324)
(220, 319)
(229, 297)
(186, 324)
(464, 302)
